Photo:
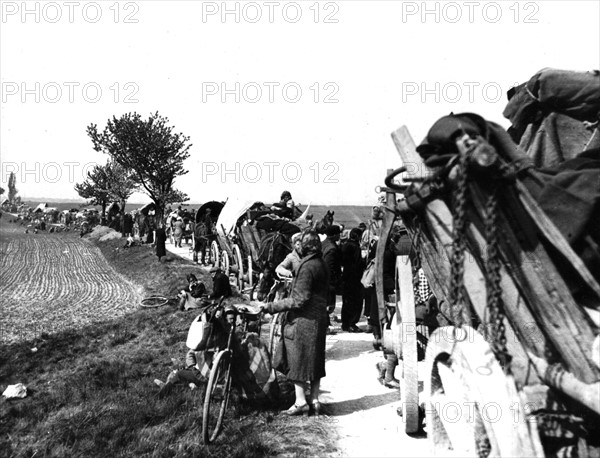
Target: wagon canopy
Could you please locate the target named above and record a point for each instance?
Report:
(214, 206)
(230, 214)
(40, 208)
(146, 209)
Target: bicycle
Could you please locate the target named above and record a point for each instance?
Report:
(218, 387)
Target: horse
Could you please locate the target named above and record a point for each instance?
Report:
(325, 222)
(274, 247)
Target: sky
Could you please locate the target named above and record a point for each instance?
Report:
(275, 95)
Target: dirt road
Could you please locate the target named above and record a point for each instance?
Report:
(364, 410)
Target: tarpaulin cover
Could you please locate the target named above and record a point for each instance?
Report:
(548, 113)
(230, 213)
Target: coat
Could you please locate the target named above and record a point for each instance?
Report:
(353, 265)
(161, 239)
(305, 330)
(333, 259)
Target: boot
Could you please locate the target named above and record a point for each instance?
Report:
(380, 366)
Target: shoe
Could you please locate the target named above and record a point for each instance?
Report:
(394, 384)
(298, 410)
(345, 328)
(159, 383)
(331, 331)
(316, 405)
(355, 329)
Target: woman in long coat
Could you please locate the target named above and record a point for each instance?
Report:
(305, 329)
(160, 237)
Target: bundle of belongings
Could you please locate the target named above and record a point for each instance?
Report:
(553, 148)
(251, 368)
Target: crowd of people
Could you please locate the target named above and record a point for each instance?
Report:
(320, 270)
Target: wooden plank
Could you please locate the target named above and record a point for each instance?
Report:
(249, 242)
(554, 236)
(546, 294)
(388, 220)
(408, 153)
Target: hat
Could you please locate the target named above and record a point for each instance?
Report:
(296, 237)
(333, 230)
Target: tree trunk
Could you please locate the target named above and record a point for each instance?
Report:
(159, 212)
(103, 218)
(123, 202)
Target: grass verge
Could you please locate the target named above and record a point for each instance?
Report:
(91, 390)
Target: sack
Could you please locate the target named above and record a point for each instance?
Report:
(200, 333)
(368, 277)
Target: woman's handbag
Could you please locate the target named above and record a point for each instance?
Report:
(200, 332)
(368, 277)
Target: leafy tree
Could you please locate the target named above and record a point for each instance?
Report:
(95, 187)
(148, 148)
(12, 187)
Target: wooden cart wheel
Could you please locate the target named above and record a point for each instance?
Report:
(215, 253)
(239, 261)
(225, 262)
(473, 408)
(407, 351)
(250, 272)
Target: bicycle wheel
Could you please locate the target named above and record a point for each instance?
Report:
(216, 397)
(154, 301)
(274, 335)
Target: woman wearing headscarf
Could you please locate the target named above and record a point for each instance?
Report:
(306, 325)
(288, 267)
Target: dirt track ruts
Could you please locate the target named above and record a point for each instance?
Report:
(51, 282)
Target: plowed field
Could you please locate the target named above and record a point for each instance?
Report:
(51, 282)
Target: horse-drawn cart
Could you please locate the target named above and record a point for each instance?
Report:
(251, 239)
(511, 254)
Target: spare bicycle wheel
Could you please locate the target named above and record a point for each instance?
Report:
(154, 301)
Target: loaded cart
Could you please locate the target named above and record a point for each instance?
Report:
(505, 226)
(251, 239)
